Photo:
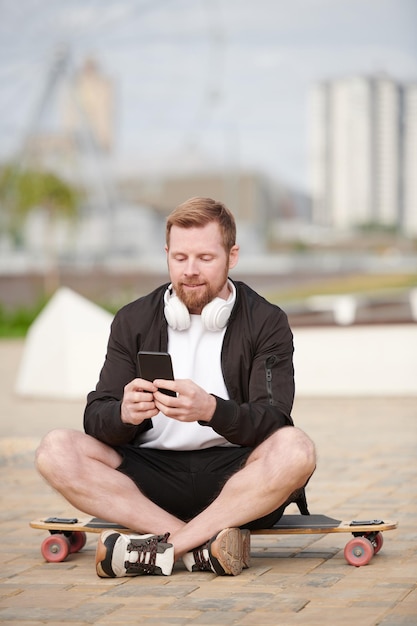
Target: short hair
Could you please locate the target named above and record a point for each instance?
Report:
(197, 212)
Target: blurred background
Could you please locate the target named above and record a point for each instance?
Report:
(300, 116)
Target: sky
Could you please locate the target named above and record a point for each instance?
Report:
(203, 83)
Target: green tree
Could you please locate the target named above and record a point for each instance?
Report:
(22, 191)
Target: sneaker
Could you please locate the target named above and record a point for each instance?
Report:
(225, 554)
(119, 554)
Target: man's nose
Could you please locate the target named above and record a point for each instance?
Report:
(191, 267)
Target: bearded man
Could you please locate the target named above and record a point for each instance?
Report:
(193, 472)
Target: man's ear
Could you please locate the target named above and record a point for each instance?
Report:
(233, 256)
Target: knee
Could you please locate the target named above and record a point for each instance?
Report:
(298, 450)
(54, 449)
(305, 450)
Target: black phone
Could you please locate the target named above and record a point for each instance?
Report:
(154, 365)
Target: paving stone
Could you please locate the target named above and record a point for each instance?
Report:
(53, 615)
(129, 615)
(395, 619)
(151, 592)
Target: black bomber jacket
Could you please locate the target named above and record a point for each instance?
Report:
(256, 359)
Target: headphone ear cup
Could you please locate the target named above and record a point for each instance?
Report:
(216, 313)
(176, 313)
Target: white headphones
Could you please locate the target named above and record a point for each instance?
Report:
(215, 314)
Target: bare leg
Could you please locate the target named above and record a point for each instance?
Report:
(83, 470)
(274, 470)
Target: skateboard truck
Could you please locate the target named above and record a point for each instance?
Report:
(372, 522)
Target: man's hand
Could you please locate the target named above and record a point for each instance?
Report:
(138, 402)
(191, 404)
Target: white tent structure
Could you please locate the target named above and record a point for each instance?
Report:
(64, 349)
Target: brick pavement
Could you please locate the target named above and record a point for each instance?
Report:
(367, 468)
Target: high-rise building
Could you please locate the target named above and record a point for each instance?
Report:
(363, 153)
(409, 199)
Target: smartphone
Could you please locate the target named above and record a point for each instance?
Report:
(154, 365)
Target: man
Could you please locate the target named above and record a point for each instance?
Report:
(193, 472)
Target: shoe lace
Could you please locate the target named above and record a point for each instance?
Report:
(201, 562)
(143, 548)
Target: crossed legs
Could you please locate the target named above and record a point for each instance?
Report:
(84, 471)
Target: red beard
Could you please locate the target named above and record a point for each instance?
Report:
(194, 301)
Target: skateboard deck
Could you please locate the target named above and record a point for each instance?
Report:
(68, 535)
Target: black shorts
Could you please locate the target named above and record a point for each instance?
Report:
(184, 483)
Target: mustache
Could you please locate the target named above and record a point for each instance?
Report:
(192, 283)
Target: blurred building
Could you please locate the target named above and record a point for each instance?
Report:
(91, 105)
(257, 202)
(73, 120)
(364, 153)
(247, 194)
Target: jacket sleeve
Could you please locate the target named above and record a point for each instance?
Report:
(102, 417)
(262, 393)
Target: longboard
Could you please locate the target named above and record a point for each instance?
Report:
(68, 535)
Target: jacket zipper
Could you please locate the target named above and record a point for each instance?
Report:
(270, 361)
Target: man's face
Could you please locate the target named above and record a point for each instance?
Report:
(198, 265)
